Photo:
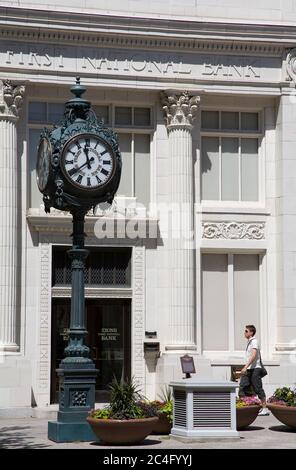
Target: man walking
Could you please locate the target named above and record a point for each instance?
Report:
(251, 373)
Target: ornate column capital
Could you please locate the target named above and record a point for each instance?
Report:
(179, 109)
(11, 99)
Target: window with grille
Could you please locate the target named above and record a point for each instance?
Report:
(105, 267)
(230, 156)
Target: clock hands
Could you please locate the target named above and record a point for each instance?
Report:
(88, 164)
(86, 150)
(75, 170)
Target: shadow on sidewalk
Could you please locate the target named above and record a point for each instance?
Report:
(282, 428)
(146, 442)
(253, 428)
(16, 437)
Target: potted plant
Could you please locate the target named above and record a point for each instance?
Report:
(164, 409)
(282, 404)
(247, 409)
(125, 420)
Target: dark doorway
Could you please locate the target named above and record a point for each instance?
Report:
(109, 339)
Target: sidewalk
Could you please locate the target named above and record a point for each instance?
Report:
(266, 432)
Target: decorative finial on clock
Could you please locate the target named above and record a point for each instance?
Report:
(78, 104)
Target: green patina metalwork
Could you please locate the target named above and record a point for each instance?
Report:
(79, 118)
(77, 373)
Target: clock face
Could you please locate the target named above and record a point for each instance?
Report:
(43, 163)
(87, 162)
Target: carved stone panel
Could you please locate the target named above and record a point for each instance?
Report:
(233, 230)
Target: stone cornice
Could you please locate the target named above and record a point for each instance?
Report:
(119, 41)
(145, 33)
(94, 292)
(146, 227)
(148, 24)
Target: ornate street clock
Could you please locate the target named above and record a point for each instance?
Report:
(78, 162)
(78, 166)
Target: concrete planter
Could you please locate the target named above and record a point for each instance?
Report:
(245, 416)
(115, 431)
(163, 426)
(285, 414)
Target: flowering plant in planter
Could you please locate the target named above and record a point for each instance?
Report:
(247, 409)
(284, 396)
(127, 419)
(247, 401)
(164, 409)
(282, 404)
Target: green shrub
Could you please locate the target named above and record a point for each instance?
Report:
(164, 407)
(126, 402)
(123, 400)
(103, 413)
(167, 410)
(283, 396)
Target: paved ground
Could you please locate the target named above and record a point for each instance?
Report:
(266, 432)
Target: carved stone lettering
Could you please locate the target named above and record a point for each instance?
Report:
(146, 63)
(226, 69)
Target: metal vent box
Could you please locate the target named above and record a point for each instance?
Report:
(204, 408)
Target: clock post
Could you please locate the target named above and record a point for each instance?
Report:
(78, 166)
(77, 373)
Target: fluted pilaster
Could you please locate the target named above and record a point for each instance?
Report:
(180, 111)
(11, 97)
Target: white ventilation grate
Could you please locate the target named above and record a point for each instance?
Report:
(211, 410)
(180, 415)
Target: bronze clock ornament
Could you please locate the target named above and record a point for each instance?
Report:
(43, 167)
(78, 161)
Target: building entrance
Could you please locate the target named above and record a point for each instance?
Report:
(109, 339)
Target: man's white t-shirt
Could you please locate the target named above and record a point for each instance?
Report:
(253, 344)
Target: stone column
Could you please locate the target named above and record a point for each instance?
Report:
(286, 223)
(180, 110)
(11, 98)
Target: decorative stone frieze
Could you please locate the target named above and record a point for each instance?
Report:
(233, 230)
(138, 306)
(179, 109)
(44, 364)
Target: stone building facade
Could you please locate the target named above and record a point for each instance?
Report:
(201, 237)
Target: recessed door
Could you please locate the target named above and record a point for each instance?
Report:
(109, 339)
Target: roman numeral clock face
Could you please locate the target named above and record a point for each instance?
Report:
(87, 162)
(43, 164)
